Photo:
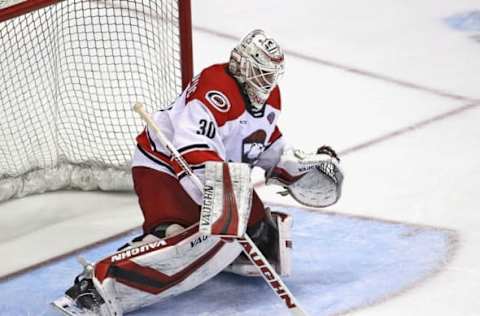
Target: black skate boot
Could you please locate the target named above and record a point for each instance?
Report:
(84, 294)
(83, 299)
(265, 234)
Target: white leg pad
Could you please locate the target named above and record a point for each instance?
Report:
(283, 259)
(147, 273)
(284, 223)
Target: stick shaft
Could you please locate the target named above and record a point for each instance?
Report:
(139, 108)
(249, 248)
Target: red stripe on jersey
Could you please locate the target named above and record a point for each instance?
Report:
(275, 135)
(196, 157)
(144, 142)
(274, 99)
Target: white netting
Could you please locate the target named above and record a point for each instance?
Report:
(69, 76)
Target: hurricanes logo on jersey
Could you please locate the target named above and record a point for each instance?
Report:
(253, 146)
(218, 100)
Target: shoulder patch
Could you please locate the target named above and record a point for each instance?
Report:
(218, 100)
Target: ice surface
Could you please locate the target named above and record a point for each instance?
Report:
(424, 176)
(340, 263)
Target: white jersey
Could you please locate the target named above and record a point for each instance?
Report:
(211, 121)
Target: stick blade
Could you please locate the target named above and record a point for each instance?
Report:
(297, 311)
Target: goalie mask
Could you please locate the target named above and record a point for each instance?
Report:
(257, 64)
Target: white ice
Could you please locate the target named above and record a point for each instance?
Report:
(357, 72)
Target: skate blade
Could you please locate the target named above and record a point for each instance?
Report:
(66, 306)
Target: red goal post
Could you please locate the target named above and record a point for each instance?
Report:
(70, 71)
(13, 8)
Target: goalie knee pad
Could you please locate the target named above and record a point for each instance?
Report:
(146, 272)
(159, 232)
(273, 238)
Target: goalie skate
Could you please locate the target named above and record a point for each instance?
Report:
(68, 307)
(82, 299)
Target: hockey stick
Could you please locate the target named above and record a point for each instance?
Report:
(249, 248)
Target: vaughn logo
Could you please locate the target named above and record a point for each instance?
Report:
(138, 250)
(207, 207)
(326, 167)
(271, 276)
(198, 240)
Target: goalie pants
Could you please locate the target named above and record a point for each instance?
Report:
(163, 200)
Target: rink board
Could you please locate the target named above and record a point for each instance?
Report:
(341, 263)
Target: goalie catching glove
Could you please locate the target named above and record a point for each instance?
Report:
(311, 179)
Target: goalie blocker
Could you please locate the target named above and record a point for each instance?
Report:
(225, 212)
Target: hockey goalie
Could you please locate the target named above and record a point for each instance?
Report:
(223, 124)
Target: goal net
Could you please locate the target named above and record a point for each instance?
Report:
(70, 72)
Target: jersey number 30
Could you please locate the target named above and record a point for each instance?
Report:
(207, 128)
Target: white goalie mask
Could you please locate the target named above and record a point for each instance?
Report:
(257, 63)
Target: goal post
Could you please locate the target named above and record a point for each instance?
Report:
(69, 73)
(13, 8)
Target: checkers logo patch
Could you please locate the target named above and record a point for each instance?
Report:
(218, 100)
